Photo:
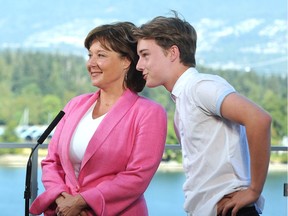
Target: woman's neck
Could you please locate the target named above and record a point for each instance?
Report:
(105, 102)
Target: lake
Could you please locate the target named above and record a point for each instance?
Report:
(164, 195)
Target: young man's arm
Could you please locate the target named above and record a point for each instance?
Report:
(257, 123)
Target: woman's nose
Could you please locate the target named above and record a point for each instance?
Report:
(91, 61)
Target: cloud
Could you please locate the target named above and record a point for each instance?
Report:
(211, 32)
(278, 26)
(247, 26)
(226, 65)
(206, 38)
(272, 47)
(72, 33)
(212, 37)
(276, 42)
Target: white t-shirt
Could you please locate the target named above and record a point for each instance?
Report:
(215, 151)
(81, 137)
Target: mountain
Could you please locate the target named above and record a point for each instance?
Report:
(240, 35)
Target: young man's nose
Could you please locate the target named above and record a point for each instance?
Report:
(138, 66)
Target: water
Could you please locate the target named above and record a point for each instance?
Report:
(164, 195)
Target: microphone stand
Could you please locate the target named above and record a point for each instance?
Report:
(27, 192)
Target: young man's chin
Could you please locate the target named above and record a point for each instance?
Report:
(151, 85)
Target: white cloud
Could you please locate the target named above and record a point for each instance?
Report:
(210, 32)
(222, 29)
(11, 45)
(72, 33)
(238, 29)
(273, 29)
(224, 32)
(206, 37)
(271, 47)
(226, 65)
(210, 24)
(247, 26)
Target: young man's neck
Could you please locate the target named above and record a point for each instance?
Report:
(175, 76)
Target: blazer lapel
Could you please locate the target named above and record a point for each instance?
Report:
(71, 125)
(122, 106)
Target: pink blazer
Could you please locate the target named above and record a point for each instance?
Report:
(120, 160)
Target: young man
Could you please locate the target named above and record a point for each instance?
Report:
(225, 137)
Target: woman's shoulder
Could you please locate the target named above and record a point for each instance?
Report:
(147, 102)
(140, 100)
(79, 99)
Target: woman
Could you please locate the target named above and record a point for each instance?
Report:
(109, 144)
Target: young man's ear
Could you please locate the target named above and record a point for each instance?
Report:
(174, 53)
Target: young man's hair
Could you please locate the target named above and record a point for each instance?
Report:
(169, 31)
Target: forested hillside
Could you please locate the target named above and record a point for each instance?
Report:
(44, 82)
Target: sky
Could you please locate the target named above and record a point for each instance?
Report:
(225, 28)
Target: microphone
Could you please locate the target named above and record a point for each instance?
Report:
(51, 127)
(27, 192)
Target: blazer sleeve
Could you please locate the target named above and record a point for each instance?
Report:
(113, 196)
(52, 175)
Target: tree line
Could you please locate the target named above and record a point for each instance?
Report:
(45, 82)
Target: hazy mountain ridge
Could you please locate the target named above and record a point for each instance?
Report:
(230, 35)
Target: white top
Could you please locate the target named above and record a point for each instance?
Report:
(82, 135)
(215, 151)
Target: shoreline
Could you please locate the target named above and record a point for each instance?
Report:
(20, 160)
(174, 166)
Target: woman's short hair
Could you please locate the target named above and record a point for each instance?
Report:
(119, 37)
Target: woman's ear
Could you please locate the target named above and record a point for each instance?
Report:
(126, 63)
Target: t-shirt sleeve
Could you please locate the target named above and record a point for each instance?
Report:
(209, 94)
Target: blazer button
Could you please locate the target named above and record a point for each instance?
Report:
(77, 188)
